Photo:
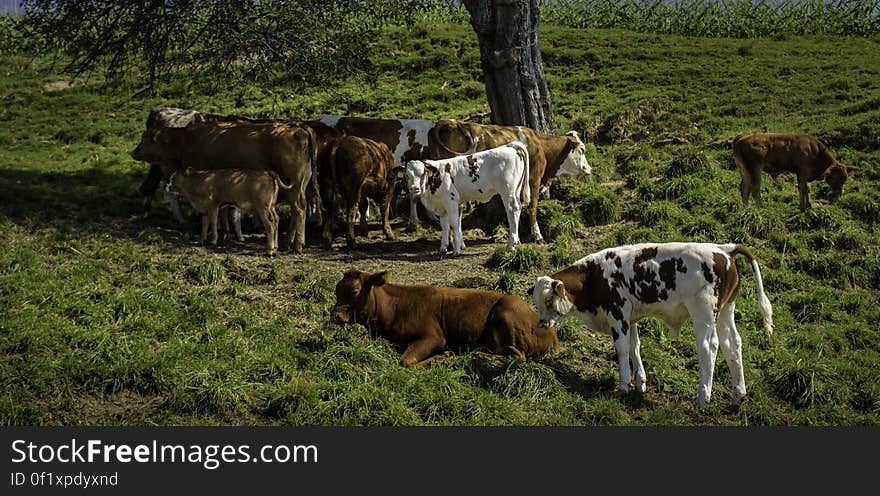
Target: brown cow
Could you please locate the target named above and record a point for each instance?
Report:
(550, 155)
(801, 154)
(358, 168)
(287, 149)
(163, 117)
(208, 190)
(427, 320)
(406, 138)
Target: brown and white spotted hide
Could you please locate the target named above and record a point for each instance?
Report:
(550, 155)
(613, 289)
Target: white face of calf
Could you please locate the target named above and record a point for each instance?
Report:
(576, 162)
(550, 301)
(415, 175)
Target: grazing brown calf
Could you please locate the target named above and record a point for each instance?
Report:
(427, 320)
(358, 169)
(208, 190)
(803, 155)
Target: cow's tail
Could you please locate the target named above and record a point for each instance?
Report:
(280, 182)
(763, 301)
(525, 192)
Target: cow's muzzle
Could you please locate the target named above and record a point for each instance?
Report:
(415, 190)
(340, 315)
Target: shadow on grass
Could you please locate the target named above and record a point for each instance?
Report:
(79, 197)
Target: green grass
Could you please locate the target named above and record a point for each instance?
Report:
(112, 318)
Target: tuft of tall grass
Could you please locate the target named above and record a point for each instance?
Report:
(523, 260)
(209, 271)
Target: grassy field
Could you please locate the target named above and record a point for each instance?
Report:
(111, 317)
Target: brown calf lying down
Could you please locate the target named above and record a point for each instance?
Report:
(208, 190)
(803, 155)
(358, 169)
(427, 320)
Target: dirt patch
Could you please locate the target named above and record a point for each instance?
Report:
(124, 405)
(412, 258)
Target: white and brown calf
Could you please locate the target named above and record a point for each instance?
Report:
(612, 289)
(209, 190)
(443, 185)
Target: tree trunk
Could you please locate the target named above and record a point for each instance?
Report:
(510, 55)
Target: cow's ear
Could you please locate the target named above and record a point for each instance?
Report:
(379, 278)
(430, 171)
(398, 170)
(350, 273)
(559, 288)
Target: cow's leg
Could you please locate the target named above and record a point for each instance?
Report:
(731, 346)
(236, 223)
(386, 209)
(745, 186)
(419, 350)
(635, 354)
(329, 217)
(707, 345)
(363, 208)
(514, 209)
(413, 207)
(533, 212)
(454, 216)
(174, 203)
(270, 224)
(620, 333)
(350, 215)
(296, 235)
(804, 193)
(214, 213)
(205, 221)
(756, 188)
(444, 230)
(223, 218)
(150, 185)
(275, 225)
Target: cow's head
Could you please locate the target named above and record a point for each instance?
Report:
(153, 146)
(835, 176)
(575, 163)
(353, 296)
(421, 176)
(550, 300)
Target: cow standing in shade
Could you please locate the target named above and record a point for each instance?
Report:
(406, 138)
(357, 169)
(612, 289)
(287, 149)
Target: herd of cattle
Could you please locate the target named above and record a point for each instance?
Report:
(339, 162)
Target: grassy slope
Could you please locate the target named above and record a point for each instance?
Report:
(109, 318)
